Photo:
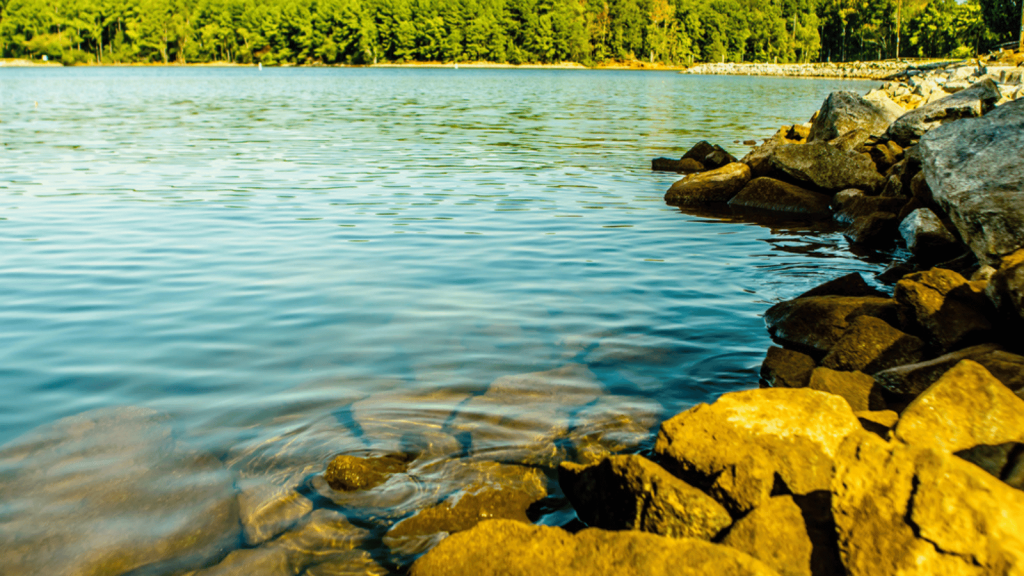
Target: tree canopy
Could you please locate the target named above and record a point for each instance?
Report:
(308, 32)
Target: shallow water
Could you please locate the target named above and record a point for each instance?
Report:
(261, 254)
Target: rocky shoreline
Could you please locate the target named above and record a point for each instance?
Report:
(853, 70)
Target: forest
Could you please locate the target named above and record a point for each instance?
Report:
(331, 32)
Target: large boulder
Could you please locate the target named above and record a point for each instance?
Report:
(718, 185)
(974, 171)
(970, 103)
(776, 196)
(738, 448)
(509, 548)
(964, 408)
(795, 538)
(908, 510)
(112, 491)
(870, 344)
(845, 111)
(944, 307)
(633, 493)
(821, 166)
(912, 379)
(815, 324)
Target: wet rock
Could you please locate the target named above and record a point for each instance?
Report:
(852, 284)
(942, 306)
(880, 422)
(633, 493)
(823, 167)
(739, 447)
(348, 473)
(913, 379)
(926, 236)
(964, 408)
(787, 368)
(69, 489)
(1006, 287)
(718, 185)
(718, 158)
(845, 111)
(354, 563)
(1004, 461)
(973, 170)
(859, 206)
(816, 323)
(777, 196)
(870, 344)
(759, 159)
(907, 510)
(672, 165)
(857, 388)
(794, 540)
(875, 229)
(970, 103)
(267, 510)
(612, 425)
(513, 548)
(699, 151)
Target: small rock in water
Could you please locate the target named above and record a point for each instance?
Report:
(718, 185)
(349, 473)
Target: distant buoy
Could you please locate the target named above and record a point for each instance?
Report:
(260, 65)
(456, 65)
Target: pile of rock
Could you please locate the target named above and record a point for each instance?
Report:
(889, 436)
(869, 70)
(918, 87)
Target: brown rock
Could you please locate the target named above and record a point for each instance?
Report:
(759, 159)
(792, 539)
(777, 196)
(857, 207)
(875, 229)
(718, 185)
(816, 323)
(348, 473)
(509, 548)
(1006, 288)
(851, 140)
(965, 408)
(913, 379)
(823, 167)
(699, 151)
(857, 388)
(786, 368)
(870, 344)
(845, 111)
(735, 448)
(907, 510)
(633, 493)
(941, 305)
(672, 165)
(851, 284)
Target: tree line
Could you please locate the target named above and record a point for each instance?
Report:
(311, 32)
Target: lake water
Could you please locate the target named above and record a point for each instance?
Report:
(260, 253)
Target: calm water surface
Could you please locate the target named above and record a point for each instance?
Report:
(253, 252)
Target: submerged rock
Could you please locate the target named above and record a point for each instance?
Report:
(776, 196)
(512, 548)
(738, 448)
(718, 185)
(633, 493)
(973, 168)
(267, 510)
(671, 165)
(875, 229)
(348, 473)
(70, 488)
(856, 206)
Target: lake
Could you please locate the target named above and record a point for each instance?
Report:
(363, 252)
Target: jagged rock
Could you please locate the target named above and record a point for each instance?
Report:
(718, 185)
(870, 344)
(855, 207)
(1006, 287)
(699, 151)
(325, 535)
(816, 323)
(759, 159)
(926, 236)
(966, 407)
(70, 488)
(970, 103)
(633, 493)
(908, 510)
(1004, 461)
(913, 379)
(735, 448)
(857, 388)
(824, 167)
(787, 368)
(509, 548)
(671, 165)
(851, 284)
(777, 196)
(348, 473)
(973, 170)
(880, 422)
(884, 158)
(846, 111)
(793, 539)
(875, 229)
(941, 305)
(880, 99)
(267, 510)
(851, 140)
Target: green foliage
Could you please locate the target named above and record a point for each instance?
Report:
(1003, 18)
(309, 32)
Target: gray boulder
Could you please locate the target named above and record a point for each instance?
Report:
(718, 185)
(974, 171)
(1006, 287)
(824, 167)
(925, 234)
(970, 103)
(846, 111)
(70, 489)
(776, 196)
